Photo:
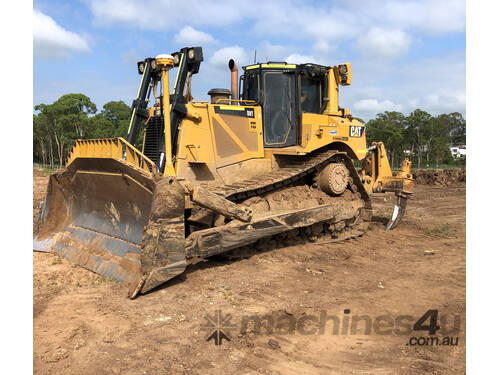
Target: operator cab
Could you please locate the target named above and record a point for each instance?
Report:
(285, 91)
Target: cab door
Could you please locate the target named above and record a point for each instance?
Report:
(280, 124)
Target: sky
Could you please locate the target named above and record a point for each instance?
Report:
(404, 54)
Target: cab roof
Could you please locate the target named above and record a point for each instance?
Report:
(282, 65)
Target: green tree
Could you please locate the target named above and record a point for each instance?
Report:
(440, 149)
(417, 129)
(434, 132)
(112, 121)
(43, 123)
(40, 141)
(76, 108)
(388, 127)
(455, 126)
(64, 121)
(117, 112)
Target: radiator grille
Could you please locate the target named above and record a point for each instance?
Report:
(153, 136)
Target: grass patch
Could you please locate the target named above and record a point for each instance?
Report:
(104, 279)
(47, 171)
(56, 260)
(441, 167)
(441, 230)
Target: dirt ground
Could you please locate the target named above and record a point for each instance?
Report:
(84, 324)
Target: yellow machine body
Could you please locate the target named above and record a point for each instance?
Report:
(222, 145)
(139, 215)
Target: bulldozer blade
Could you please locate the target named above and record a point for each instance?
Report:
(94, 214)
(397, 213)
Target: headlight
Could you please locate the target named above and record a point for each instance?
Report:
(176, 58)
(141, 67)
(342, 69)
(153, 64)
(191, 53)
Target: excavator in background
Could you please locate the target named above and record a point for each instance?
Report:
(273, 156)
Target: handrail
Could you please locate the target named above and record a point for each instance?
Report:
(251, 102)
(111, 148)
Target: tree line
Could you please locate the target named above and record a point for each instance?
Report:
(424, 138)
(56, 126)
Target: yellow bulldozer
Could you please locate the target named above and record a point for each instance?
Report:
(273, 156)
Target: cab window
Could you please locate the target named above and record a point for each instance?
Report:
(310, 95)
(251, 87)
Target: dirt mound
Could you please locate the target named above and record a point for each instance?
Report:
(443, 177)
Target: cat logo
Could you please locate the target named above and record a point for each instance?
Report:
(356, 131)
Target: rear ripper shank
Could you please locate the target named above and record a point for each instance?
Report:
(273, 156)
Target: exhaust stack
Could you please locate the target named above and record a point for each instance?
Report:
(234, 80)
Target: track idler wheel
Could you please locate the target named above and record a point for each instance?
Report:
(333, 179)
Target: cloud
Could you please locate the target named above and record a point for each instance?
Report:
(267, 51)
(131, 57)
(51, 41)
(329, 32)
(379, 43)
(221, 57)
(164, 14)
(434, 84)
(191, 36)
(318, 23)
(327, 24)
(373, 105)
(430, 16)
(382, 28)
(438, 83)
(322, 45)
(300, 59)
(445, 101)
